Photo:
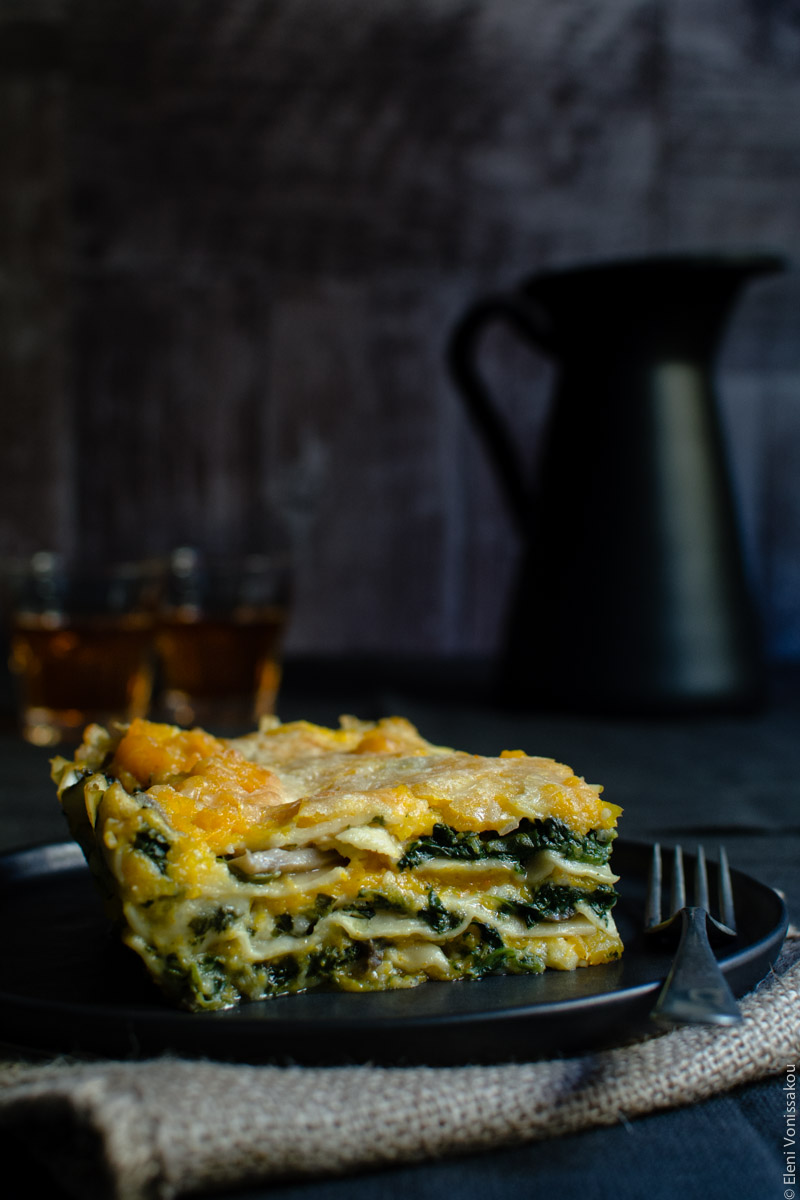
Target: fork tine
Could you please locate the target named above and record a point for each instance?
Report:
(678, 898)
(700, 879)
(652, 911)
(726, 908)
(695, 990)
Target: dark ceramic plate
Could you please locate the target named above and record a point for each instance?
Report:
(67, 985)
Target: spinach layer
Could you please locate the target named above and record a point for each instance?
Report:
(556, 902)
(480, 951)
(196, 983)
(515, 848)
(154, 846)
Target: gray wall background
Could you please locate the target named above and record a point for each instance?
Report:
(234, 235)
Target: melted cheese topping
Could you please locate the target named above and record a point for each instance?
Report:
(312, 784)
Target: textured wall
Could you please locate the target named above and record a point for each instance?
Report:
(235, 234)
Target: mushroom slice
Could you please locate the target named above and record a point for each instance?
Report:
(269, 862)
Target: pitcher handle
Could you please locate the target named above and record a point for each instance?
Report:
(461, 360)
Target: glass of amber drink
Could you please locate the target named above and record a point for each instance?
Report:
(82, 645)
(219, 638)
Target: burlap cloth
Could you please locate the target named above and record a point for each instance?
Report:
(164, 1127)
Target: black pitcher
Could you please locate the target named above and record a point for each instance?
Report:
(632, 593)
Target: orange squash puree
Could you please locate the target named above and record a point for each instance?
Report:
(204, 787)
(154, 753)
(376, 741)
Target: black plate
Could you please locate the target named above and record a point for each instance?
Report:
(66, 984)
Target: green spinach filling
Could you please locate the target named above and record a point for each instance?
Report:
(548, 902)
(439, 918)
(154, 846)
(434, 914)
(556, 902)
(196, 983)
(217, 920)
(343, 953)
(480, 951)
(515, 848)
(369, 904)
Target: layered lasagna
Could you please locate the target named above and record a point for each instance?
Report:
(360, 858)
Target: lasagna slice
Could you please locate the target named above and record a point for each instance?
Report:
(361, 858)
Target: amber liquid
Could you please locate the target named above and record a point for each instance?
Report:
(71, 671)
(220, 670)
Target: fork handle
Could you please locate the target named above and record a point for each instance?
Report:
(695, 990)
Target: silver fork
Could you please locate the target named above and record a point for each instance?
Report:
(695, 990)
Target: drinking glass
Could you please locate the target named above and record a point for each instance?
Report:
(219, 637)
(81, 643)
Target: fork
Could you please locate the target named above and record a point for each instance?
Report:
(695, 990)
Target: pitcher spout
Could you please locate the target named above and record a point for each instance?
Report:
(666, 305)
